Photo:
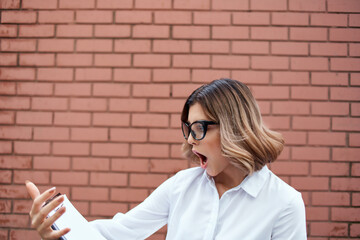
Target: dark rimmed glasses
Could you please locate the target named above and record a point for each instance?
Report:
(197, 129)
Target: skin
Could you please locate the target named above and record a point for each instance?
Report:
(225, 175)
(38, 213)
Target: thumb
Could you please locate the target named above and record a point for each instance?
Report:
(32, 189)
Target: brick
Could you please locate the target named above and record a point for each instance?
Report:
(128, 135)
(109, 4)
(294, 138)
(150, 150)
(345, 154)
(37, 59)
(173, 17)
(271, 62)
(90, 193)
(18, 17)
(15, 162)
(133, 45)
(229, 5)
(210, 46)
(71, 148)
(270, 33)
(10, 4)
(128, 194)
(51, 163)
(34, 89)
(6, 147)
(150, 120)
(328, 229)
(128, 105)
(93, 74)
(151, 90)
(21, 147)
(40, 177)
(94, 45)
(14, 221)
(343, 6)
(5, 206)
(107, 209)
(36, 30)
(336, 79)
(8, 31)
(13, 191)
(270, 92)
(354, 49)
(8, 59)
(91, 163)
(182, 90)
(129, 165)
(14, 103)
(191, 32)
(171, 75)
(39, 4)
(355, 170)
(308, 34)
(34, 118)
(324, 19)
(156, 4)
(94, 16)
(212, 18)
(111, 89)
(251, 18)
(44, 103)
(230, 32)
(74, 60)
(355, 230)
(291, 107)
(56, 16)
(71, 119)
(225, 61)
(72, 89)
(268, 5)
(354, 20)
(151, 60)
(344, 64)
(55, 45)
(191, 60)
(5, 178)
(343, 93)
(192, 5)
(330, 108)
(354, 139)
(110, 149)
(290, 78)
(277, 122)
(310, 153)
(327, 138)
(89, 134)
(166, 106)
(18, 45)
(112, 60)
(108, 179)
(311, 123)
(172, 136)
(206, 75)
(346, 124)
(290, 168)
(151, 31)
(7, 88)
(133, 17)
(251, 77)
(310, 183)
(17, 74)
(7, 117)
(147, 180)
(329, 169)
(344, 34)
(250, 47)
(78, 4)
(317, 213)
(310, 93)
(307, 5)
(112, 31)
(111, 119)
(51, 133)
(55, 74)
(328, 49)
(345, 214)
(74, 30)
(290, 19)
(309, 63)
(166, 166)
(289, 48)
(345, 184)
(355, 109)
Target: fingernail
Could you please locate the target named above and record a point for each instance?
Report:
(52, 189)
(26, 182)
(60, 199)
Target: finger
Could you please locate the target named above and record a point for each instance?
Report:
(57, 234)
(40, 199)
(32, 189)
(39, 218)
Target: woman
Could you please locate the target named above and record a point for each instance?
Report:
(232, 195)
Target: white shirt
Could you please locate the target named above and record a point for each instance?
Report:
(261, 207)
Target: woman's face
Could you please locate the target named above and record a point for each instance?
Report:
(209, 148)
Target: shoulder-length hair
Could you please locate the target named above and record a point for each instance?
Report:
(245, 141)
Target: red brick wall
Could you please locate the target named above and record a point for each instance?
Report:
(91, 92)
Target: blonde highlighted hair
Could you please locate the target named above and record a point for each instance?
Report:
(245, 141)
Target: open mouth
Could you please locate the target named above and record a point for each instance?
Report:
(203, 159)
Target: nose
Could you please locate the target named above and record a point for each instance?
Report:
(191, 140)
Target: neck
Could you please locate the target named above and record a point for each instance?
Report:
(229, 178)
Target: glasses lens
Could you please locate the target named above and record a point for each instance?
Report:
(198, 130)
(185, 130)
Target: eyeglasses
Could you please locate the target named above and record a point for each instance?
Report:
(197, 129)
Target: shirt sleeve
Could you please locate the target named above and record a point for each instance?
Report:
(291, 224)
(141, 221)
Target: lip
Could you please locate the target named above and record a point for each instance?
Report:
(203, 164)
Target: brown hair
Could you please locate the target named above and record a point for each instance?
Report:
(244, 139)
